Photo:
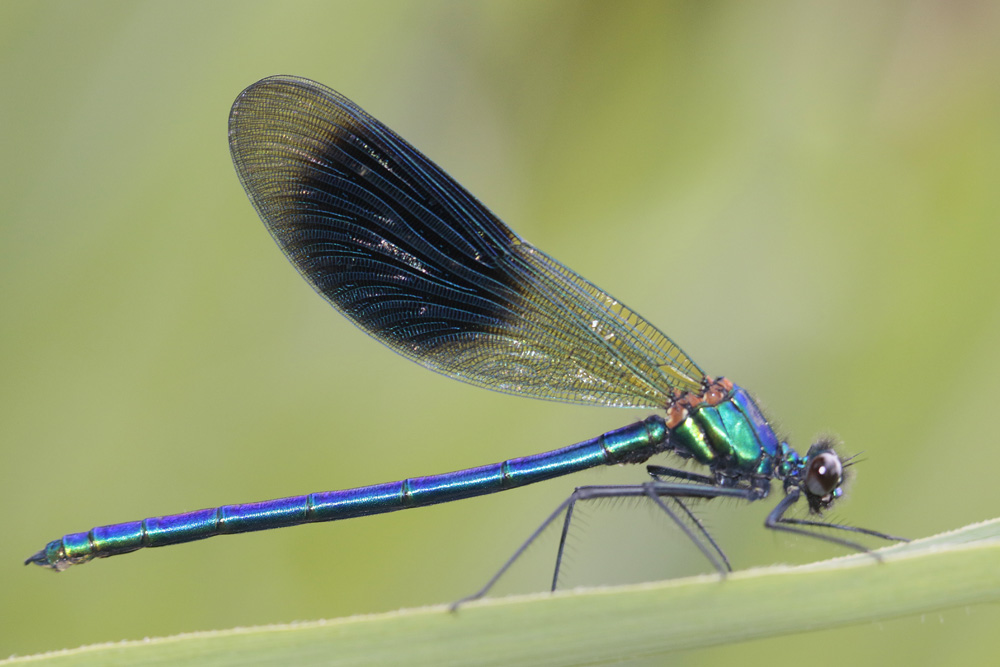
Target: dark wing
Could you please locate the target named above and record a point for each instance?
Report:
(412, 258)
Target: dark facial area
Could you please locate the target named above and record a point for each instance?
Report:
(823, 474)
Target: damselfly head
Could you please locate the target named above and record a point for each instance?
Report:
(822, 476)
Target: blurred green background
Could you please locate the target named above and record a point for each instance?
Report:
(804, 195)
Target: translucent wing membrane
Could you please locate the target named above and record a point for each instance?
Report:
(416, 261)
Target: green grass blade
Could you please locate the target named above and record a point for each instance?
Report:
(598, 626)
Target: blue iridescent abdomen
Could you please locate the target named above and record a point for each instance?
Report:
(723, 426)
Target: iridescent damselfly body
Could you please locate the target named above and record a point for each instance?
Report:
(414, 260)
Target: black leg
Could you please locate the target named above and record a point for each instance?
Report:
(853, 529)
(654, 490)
(517, 554)
(562, 539)
(659, 472)
(704, 531)
(776, 521)
(718, 565)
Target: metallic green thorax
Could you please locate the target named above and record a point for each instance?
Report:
(732, 433)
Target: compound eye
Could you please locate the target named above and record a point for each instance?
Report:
(824, 474)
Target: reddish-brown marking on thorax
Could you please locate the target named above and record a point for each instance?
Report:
(713, 393)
